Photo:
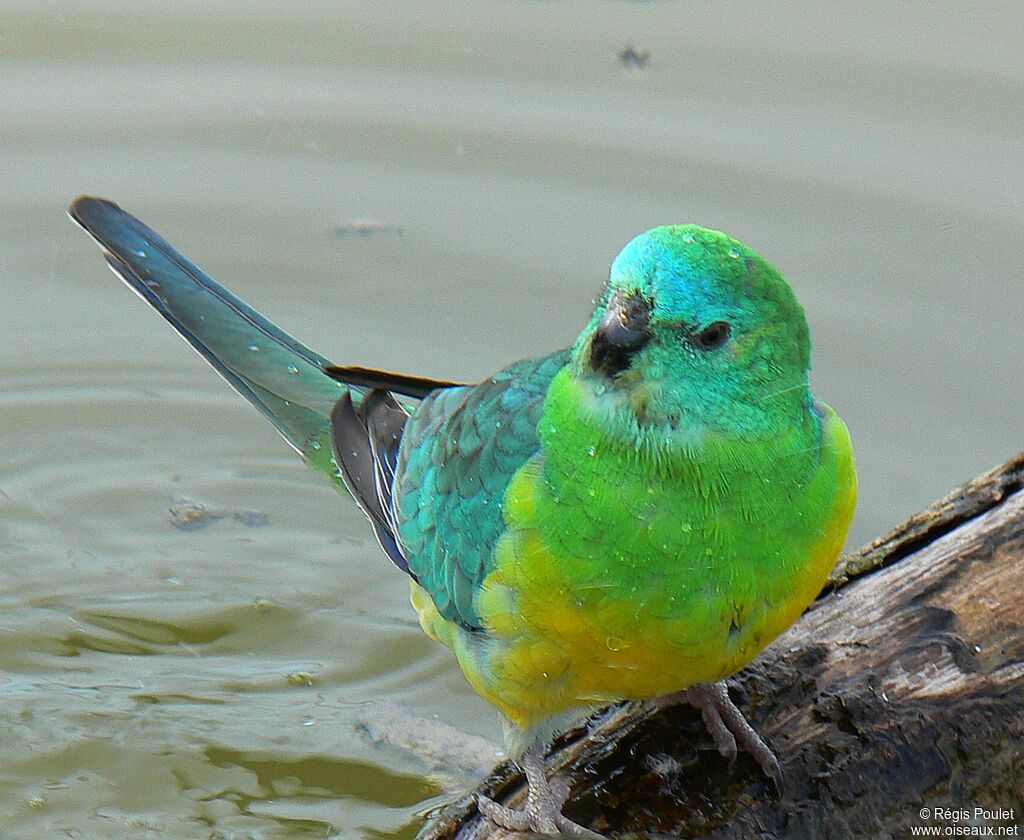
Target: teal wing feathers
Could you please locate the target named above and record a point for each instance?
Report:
(458, 453)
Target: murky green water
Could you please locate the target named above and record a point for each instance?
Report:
(156, 682)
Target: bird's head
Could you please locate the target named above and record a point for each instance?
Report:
(695, 334)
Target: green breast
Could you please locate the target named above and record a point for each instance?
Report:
(716, 536)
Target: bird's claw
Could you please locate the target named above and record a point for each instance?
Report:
(542, 813)
(537, 821)
(727, 726)
(513, 820)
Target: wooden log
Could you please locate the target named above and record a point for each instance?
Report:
(901, 688)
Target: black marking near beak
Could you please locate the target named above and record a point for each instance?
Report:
(622, 331)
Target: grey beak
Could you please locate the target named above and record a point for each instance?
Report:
(621, 332)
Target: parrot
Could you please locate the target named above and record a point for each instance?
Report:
(634, 517)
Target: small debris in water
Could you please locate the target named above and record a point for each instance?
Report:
(364, 227)
(251, 518)
(633, 57)
(190, 515)
(299, 678)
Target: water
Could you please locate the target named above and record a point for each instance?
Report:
(440, 191)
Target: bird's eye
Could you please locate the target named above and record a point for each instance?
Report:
(712, 336)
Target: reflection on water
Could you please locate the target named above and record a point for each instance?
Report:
(404, 186)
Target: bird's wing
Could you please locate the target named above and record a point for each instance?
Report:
(364, 440)
(458, 453)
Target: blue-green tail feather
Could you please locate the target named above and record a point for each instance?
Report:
(282, 378)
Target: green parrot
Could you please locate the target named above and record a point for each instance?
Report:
(634, 517)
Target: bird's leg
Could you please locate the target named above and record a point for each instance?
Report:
(542, 813)
(726, 725)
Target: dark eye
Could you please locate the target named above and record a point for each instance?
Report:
(712, 336)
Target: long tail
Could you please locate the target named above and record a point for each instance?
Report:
(282, 378)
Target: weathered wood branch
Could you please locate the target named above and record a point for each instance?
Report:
(901, 688)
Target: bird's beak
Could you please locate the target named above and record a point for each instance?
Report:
(621, 332)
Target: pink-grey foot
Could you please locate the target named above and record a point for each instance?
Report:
(726, 725)
(542, 813)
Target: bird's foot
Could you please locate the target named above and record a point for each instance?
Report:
(542, 813)
(726, 725)
(531, 820)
